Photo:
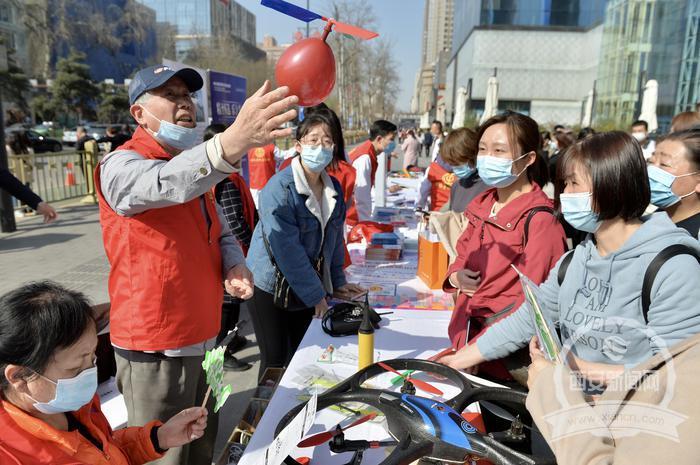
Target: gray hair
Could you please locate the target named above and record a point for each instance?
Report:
(143, 98)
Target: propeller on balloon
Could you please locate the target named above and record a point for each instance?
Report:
(320, 438)
(422, 385)
(308, 66)
(307, 16)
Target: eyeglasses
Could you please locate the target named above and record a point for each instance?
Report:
(177, 96)
(315, 141)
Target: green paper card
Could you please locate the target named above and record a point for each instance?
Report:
(213, 365)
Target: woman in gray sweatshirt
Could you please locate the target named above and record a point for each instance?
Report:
(598, 305)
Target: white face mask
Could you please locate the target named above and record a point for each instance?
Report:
(177, 137)
(640, 136)
(71, 393)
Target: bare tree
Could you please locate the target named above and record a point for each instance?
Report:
(386, 80)
(50, 26)
(351, 81)
(226, 54)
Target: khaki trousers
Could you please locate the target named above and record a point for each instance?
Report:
(161, 389)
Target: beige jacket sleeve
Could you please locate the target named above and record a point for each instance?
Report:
(652, 428)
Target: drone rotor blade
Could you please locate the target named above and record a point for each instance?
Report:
(364, 419)
(422, 385)
(354, 30)
(500, 412)
(317, 439)
(427, 387)
(320, 438)
(291, 10)
(388, 368)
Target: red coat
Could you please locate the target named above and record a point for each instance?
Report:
(366, 148)
(261, 165)
(491, 245)
(165, 279)
(27, 440)
(441, 182)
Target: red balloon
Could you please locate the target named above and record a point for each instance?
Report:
(308, 69)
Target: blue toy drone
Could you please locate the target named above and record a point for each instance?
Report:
(427, 429)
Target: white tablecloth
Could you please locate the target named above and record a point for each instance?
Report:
(405, 334)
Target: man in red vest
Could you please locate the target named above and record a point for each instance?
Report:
(364, 160)
(167, 246)
(262, 164)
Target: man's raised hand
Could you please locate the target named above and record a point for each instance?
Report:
(259, 121)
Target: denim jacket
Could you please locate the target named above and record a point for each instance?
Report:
(295, 235)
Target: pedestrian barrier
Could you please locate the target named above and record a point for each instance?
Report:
(70, 174)
(58, 176)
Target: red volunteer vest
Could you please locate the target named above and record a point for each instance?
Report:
(261, 165)
(165, 279)
(366, 148)
(441, 182)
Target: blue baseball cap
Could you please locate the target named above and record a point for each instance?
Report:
(155, 76)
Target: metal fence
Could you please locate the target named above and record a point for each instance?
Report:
(57, 176)
(69, 174)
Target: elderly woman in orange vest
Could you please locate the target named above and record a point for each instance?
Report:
(49, 412)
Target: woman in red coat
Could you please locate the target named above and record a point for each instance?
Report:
(510, 223)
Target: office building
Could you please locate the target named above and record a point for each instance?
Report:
(11, 31)
(643, 40)
(437, 37)
(543, 52)
(196, 20)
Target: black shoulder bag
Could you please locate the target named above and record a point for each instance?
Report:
(283, 294)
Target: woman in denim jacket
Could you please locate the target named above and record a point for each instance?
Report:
(301, 215)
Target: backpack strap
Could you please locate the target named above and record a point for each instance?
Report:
(530, 214)
(561, 273)
(654, 267)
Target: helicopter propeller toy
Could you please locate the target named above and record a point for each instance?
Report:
(428, 428)
(308, 66)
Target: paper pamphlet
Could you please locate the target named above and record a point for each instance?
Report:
(544, 328)
(285, 443)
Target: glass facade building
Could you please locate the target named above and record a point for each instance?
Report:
(642, 40)
(193, 19)
(527, 13)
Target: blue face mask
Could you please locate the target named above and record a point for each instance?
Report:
(71, 394)
(463, 171)
(497, 172)
(175, 136)
(660, 182)
(391, 146)
(578, 211)
(316, 158)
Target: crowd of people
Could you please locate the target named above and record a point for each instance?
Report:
(189, 241)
